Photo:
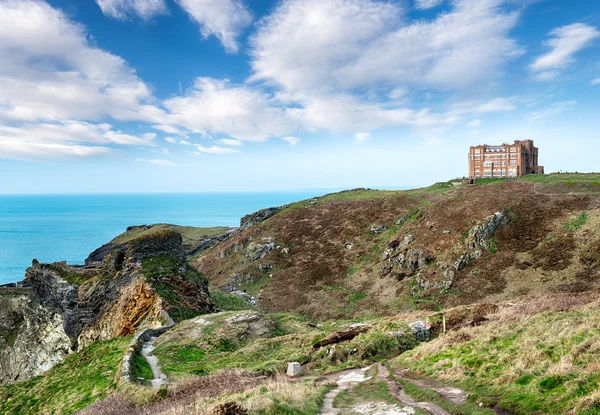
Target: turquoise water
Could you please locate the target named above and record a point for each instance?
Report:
(69, 227)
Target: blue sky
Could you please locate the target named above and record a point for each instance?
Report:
(239, 95)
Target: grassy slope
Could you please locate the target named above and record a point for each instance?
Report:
(323, 278)
(541, 363)
(78, 381)
(182, 356)
(191, 235)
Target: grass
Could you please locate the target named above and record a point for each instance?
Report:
(191, 236)
(140, 369)
(528, 364)
(371, 390)
(563, 178)
(228, 302)
(160, 269)
(278, 396)
(291, 339)
(78, 381)
(575, 222)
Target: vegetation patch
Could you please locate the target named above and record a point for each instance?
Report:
(81, 379)
(537, 364)
(229, 302)
(575, 222)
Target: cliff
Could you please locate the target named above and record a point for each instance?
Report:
(69, 307)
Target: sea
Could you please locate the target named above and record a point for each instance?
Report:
(68, 227)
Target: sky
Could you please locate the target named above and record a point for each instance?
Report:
(111, 96)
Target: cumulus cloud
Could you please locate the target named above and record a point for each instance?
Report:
(51, 77)
(595, 81)
(170, 140)
(185, 142)
(314, 45)
(427, 4)
(565, 42)
(230, 142)
(125, 9)
(225, 19)
(216, 150)
(291, 140)
(474, 123)
(219, 106)
(362, 137)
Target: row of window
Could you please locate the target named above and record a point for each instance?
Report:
(497, 173)
(496, 163)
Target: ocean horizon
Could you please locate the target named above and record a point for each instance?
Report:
(67, 227)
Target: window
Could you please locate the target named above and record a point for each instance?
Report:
(477, 173)
(513, 162)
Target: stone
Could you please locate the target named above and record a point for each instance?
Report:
(259, 216)
(446, 232)
(376, 229)
(294, 369)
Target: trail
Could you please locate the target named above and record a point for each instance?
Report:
(159, 377)
(407, 405)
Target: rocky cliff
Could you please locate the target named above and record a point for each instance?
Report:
(69, 307)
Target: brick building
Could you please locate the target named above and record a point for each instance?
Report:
(505, 160)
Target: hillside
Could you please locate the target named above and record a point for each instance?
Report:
(362, 252)
(471, 299)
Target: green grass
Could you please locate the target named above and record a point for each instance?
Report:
(159, 269)
(575, 222)
(563, 178)
(191, 236)
(292, 341)
(229, 302)
(369, 391)
(540, 364)
(81, 379)
(140, 368)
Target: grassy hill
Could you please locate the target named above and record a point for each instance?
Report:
(325, 257)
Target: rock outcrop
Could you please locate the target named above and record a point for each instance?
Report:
(259, 216)
(71, 307)
(479, 239)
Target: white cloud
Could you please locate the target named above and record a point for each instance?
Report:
(291, 140)
(239, 111)
(311, 45)
(565, 42)
(595, 81)
(169, 129)
(124, 9)
(230, 142)
(474, 123)
(56, 140)
(52, 79)
(216, 150)
(427, 4)
(362, 137)
(158, 162)
(170, 140)
(552, 111)
(225, 19)
(185, 142)
(20, 150)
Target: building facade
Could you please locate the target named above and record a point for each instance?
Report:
(505, 160)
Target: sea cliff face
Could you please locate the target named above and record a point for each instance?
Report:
(69, 308)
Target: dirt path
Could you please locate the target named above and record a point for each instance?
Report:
(407, 405)
(159, 377)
